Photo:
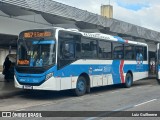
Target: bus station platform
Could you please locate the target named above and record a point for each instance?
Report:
(7, 89)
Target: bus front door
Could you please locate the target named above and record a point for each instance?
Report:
(158, 62)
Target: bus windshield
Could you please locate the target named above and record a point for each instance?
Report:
(36, 52)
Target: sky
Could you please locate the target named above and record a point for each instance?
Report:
(145, 13)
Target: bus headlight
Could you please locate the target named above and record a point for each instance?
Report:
(49, 76)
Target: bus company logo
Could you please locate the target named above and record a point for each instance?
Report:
(139, 59)
(98, 70)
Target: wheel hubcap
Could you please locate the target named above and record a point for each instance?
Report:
(129, 80)
(81, 85)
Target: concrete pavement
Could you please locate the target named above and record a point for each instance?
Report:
(142, 96)
(7, 89)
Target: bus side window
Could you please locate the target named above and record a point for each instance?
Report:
(89, 48)
(78, 50)
(67, 49)
(118, 51)
(145, 53)
(129, 52)
(139, 53)
(105, 50)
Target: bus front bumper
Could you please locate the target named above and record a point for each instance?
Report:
(50, 84)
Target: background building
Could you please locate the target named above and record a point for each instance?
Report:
(107, 11)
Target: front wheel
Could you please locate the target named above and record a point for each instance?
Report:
(80, 86)
(128, 80)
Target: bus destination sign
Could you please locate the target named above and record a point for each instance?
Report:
(37, 34)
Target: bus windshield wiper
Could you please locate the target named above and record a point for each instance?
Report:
(24, 43)
(39, 40)
(37, 43)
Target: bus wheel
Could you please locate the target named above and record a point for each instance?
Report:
(81, 86)
(128, 80)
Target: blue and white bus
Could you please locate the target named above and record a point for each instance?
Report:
(158, 62)
(60, 59)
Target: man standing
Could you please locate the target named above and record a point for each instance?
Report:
(6, 66)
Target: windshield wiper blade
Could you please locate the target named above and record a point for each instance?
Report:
(39, 40)
(25, 45)
(38, 43)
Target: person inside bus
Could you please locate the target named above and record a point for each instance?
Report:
(68, 51)
(45, 57)
(139, 56)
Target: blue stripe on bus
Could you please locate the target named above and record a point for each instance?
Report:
(98, 69)
(76, 70)
(119, 39)
(116, 71)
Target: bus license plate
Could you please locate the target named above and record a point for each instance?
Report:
(27, 87)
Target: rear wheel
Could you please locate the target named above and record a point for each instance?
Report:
(81, 86)
(128, 80)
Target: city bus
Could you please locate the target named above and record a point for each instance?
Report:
(60, 59)
(158, 62)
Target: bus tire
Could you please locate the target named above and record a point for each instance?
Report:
(81, 86)
(128, 80)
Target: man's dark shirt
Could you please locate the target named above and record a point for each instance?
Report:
(7, 64)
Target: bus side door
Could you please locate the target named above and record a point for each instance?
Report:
(158, 62)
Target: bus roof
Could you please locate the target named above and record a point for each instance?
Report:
(96, 35)
(103, 36)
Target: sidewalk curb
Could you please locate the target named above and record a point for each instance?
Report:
(11, 94)
(7, 89)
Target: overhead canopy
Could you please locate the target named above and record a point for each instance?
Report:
(57, 13)
(14, 10)
(8, 40)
